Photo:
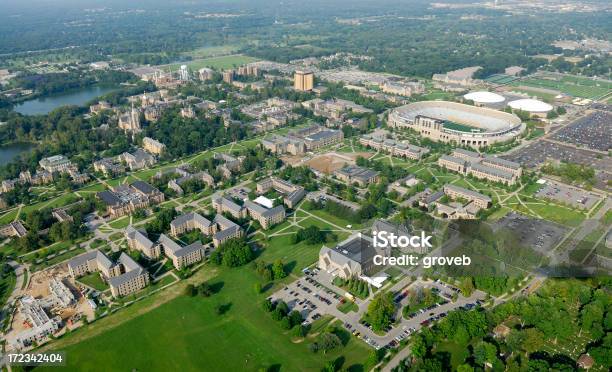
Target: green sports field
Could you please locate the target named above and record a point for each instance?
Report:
(573, 85)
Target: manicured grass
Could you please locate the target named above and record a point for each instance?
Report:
(8, 217)
(296, 256)
(94, 281)
(96, 187)
(223, 62)
(6, 287)
(348, 306)
(121, 223)
(186, 334)
(209, 51)
(338, 221)
(59, 201)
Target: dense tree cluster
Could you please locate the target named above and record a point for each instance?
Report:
(233, 253)
(380, 311)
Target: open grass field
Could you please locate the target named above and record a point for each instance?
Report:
(211, 51)
(187, 334)
(223, 62)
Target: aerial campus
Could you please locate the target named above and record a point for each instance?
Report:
(222, 205)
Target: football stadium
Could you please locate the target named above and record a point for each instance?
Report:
(457, 123)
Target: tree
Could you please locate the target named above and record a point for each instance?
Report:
(380, 311)
(485, 352)
(233, 253)
(533, 340)
(205, 290)
(285, 323)
(465, 368)
(295, 317)
(329, 341)
(418, 347)
(257, 288)
(190, 290)
(268, 306)
(278, 270)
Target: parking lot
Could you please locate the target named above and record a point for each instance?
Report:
(537, 153)
(308, 297)
(541, 235)
(565, 194)
(593, 131)
(313, 300)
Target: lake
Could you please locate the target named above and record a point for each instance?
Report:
(11, 151)
(44, 105)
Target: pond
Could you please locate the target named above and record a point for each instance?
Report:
(12, 150)
(44, 105)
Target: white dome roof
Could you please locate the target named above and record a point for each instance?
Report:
(530, 105)
(484, 97)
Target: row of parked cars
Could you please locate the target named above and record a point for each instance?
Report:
(406, 332)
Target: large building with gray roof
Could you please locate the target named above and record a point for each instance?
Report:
(124, 277)
(139, 240)
(351, 174)
(181, 256)
(351, 258)
(491, 168)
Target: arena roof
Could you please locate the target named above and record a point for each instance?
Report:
(530, 105)
(484, 97)
(488, 120)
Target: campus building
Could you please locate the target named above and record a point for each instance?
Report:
(393, 147)
(181, 256)
(267, 217)
(153, 146)
(456, 123)
(56, 163)
(292, 194)
(13, 229)
(139, 241)
(351, 174)
(124, 277)
(224, 205)
(303, 81)
(491, 168)
(284, 145)
(351, 258)
(191, 221)
(130, 121)
(478, 199)
(139, 159)
(124, 199)
(226, 230)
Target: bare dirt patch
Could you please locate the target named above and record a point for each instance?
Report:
(331, 162)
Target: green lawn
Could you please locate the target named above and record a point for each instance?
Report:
(59, 201)
(8, 217)
(121, 223)
(94, 281)
(186, 334)
(223, 62)
(334, 219)
(6, 287)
